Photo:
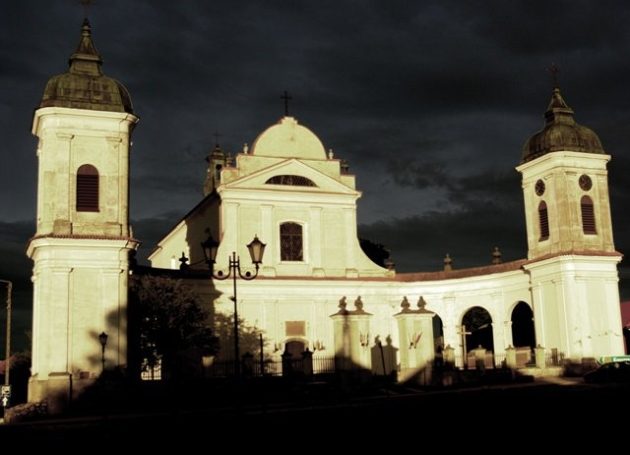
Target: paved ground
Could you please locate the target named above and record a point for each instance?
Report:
(556, 409)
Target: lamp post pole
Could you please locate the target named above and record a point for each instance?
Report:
(256, 250)
(235, 265)
(102, 338)
(7, 352)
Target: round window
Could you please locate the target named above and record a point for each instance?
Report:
(585, 182)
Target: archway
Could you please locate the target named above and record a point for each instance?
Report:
(295, 348)
(523, 334)
(438, 333)
(478, 324)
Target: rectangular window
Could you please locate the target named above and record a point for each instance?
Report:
(291, 242)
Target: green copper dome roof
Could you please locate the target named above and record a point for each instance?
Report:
(84, 86)
(561, 132)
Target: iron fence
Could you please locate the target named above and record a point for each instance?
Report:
(273, 367)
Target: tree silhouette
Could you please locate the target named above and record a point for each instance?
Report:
(170, 320)
(375, 251)
(249, 336)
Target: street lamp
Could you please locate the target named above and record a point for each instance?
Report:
(102, 338)
(256, 250)
(6, 390)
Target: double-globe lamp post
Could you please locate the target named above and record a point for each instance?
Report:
(256, 250)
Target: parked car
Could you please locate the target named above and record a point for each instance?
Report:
(609, 372)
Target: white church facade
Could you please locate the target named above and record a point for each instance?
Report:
(286, 189)
(316, 287)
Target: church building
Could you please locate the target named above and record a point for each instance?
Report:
(316, 289)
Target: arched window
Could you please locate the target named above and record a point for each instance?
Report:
(543, 219)
(291, 242)
(588, 215)
(87, 189)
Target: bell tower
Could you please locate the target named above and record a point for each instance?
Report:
(217, 160)
(572, 257)
(565, 186)
(83, 239)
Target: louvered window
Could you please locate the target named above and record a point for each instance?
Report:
(87, 189)
(543, 219)
(291, 242)
(588, 215)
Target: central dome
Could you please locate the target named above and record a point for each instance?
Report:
(288, 139)
(561, 132)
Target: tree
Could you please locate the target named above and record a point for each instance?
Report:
(249, 336)
(170, 320)
(375, 251)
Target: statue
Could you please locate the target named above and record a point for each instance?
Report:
(358, 303)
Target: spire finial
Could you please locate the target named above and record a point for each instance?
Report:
(554, 70)
(216, 136)
(86, 59)
(448, 263)
(496, 255)
(286, 97)
(558, 110)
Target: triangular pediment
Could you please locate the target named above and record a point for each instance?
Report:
(291, 167)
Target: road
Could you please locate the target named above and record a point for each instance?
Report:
(556, 409)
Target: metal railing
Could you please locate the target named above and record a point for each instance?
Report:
(271, 367)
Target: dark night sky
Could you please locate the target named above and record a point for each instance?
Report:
(430, 101)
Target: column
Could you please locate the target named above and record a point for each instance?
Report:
(417, 348)
(507, 333)
(350, 242)
(352, 337)
(315, 240)
(269, 236)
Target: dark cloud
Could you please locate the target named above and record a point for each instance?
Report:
(430, 102)
(562, 26)
(419, 243)
(620, 201)
(418, 174)
(16, 267)
(151, 230)
(489, 185)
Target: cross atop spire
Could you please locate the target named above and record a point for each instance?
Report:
(86, 7)
(286, 97)
(216, 139)
(554, 71)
